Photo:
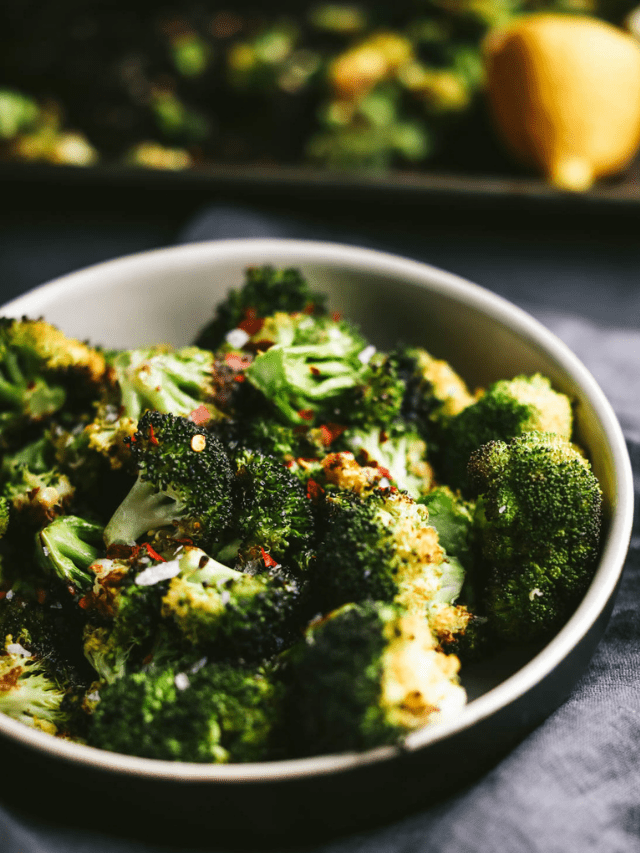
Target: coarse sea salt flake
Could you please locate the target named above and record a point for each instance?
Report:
(158, 572)
(181, 681)
(237, 338)
(17, 649)
(367, 354)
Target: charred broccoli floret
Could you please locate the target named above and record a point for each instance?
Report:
(203, 712)
(508, 408)
(365, 676)
(42, 370)
(399, 449)
(433, 390)
(379, 546)
(266, 290)
(183, 485)
(27, 692)
(235, 614)
(272, 514)
(538, 515)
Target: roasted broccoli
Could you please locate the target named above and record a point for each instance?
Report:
(173, 381)
(365, 676)
(538, 516)
(200, 711)
(305, 375)
(27, 692)
(266, 290)
(34, 486)
(42, 370)
(183, 485)
(230, 613)
(272, 519)
(508, 408)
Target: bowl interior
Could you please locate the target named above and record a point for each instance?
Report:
(169, 295)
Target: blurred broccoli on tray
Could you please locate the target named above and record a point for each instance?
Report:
(276, 542)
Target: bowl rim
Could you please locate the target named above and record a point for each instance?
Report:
(355, 258)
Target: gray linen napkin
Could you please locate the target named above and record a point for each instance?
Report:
(574, 783)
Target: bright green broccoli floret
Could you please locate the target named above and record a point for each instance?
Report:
(183, 485)
(272, 514)
(265, 292)
(305, 375)
(67, 547)
(233, 613)
(508, 408)
(365, 676)
(41, 370)
(204, 713)
(538, 515)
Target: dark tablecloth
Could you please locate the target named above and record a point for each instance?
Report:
(574, 783)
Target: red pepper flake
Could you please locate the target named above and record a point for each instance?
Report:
(152, 553)
(251, 323)
(200, 415)
(41, 595)
(329, 433)
(315, 370)
(83, 602)
(385, 472)
(306, 414)
(235, 361)
(336, 316)
(239, 378)
(33, 492)
(3, 594)
(269, 562)
(384, 436)
(314, 490)
(152, 435)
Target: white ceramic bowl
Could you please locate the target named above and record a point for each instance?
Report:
(168, 295)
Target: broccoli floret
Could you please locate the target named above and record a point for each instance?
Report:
(377, 398)
(27, 692)
(538, 515)
(48, 625)
(304, 375)
(4, 516)
(67, 547)
(235, 614)
(41, 370)
(365, 676)
(36, 488)
(266, 291)
(433, 390)
(378, 546)
(212, 713)
(175, 382)
(508, 408)
(272, 517)
(123, 609)
(183, 485)
(399, 449)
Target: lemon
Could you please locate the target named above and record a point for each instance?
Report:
(564, 91)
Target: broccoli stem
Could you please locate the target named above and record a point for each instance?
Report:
(143, 509)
